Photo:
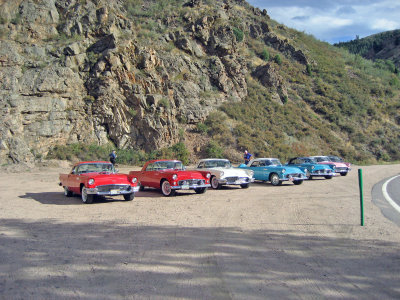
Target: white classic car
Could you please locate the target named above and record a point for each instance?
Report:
(222, 173)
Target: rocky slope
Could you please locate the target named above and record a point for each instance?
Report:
(136, 73)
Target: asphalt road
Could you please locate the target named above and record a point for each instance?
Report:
(386, 195)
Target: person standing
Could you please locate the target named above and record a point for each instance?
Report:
(246, 157)
(113, 157)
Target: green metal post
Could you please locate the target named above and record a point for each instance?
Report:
(360, 183)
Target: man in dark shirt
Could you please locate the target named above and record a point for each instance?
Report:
(246, 157)
(113, 157)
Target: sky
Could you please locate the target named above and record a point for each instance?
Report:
(334, 21)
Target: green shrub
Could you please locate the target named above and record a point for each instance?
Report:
(202, 128)
(238, 34)
(214, 150)
(278, 59)
(265, 55)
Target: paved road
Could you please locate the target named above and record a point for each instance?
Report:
(386, 195)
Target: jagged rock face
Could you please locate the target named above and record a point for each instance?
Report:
(76, 71)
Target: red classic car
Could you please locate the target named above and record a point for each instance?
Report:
(169, 176)
(340, 167)
(92, 178)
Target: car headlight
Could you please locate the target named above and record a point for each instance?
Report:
(134, 180)
(283, 171)
(91, 181)
(208, 175)
(305, 170)
(174, 177)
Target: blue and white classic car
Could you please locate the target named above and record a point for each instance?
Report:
(271, 169)
(222, 173)
(313, 169)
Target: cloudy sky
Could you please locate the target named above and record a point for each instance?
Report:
(334, 20)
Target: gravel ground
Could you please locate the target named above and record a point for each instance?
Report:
(293, 242)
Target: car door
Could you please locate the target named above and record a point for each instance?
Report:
(73, 180)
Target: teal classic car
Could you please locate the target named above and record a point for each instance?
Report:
(313, 169)
(271, 169)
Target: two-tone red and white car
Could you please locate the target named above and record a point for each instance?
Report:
(170, 176)
(98, 178)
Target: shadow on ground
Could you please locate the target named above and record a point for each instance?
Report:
(52, 260)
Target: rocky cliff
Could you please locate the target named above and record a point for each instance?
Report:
(138, 74)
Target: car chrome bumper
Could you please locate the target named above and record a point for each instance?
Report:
(95, 191)
(242, 180)
(293, 178)
(322, 174)
(190, 187)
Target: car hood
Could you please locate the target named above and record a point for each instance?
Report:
(184, 174)
(100, 178)
(228, 172)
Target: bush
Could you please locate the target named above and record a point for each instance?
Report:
(265, 55)
(214, 150)
(238, 34)
(278, 59)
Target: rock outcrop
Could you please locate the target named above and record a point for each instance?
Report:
(85, 71)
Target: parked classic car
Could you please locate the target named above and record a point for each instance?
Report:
(92, 178)
(271, 169)
(313, 169)
(335, 158)
(222, 173)
(340, 167)
(170, 175)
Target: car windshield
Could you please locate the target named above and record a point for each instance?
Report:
(321, 158)
(272, 162)
(310, 160)
(335, 158)
(217, 163)
(95, 168)
(168, 164)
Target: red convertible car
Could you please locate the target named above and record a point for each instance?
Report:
(169, 176)
(92, 178)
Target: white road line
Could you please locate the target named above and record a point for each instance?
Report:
(386, 194)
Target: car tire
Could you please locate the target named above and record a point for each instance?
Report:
(200, 190)
(297, 182)
(274, 179)
(214, 183)
(129, 197)
(310, 178)
(343, 174)
(166, 189)
(244, 185)
(67, 192)
(329, 176)
(86, 198)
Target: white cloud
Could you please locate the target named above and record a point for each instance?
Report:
(335, 20)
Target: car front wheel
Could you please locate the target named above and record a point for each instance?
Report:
(343, 174)
(129, 197)
(214, 183)
(274, 178)
(244, 185)
(298, 182)
(200, 190)
(328, 177)
(86, 198)
(166, 189)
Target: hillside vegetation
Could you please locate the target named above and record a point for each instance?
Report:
(188, 79)
(383, 48)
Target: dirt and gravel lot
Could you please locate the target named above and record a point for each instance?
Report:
(263, 242)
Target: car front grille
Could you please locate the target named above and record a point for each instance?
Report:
(192, 182)
(108, 188)
(298, 175)
(324, 171)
